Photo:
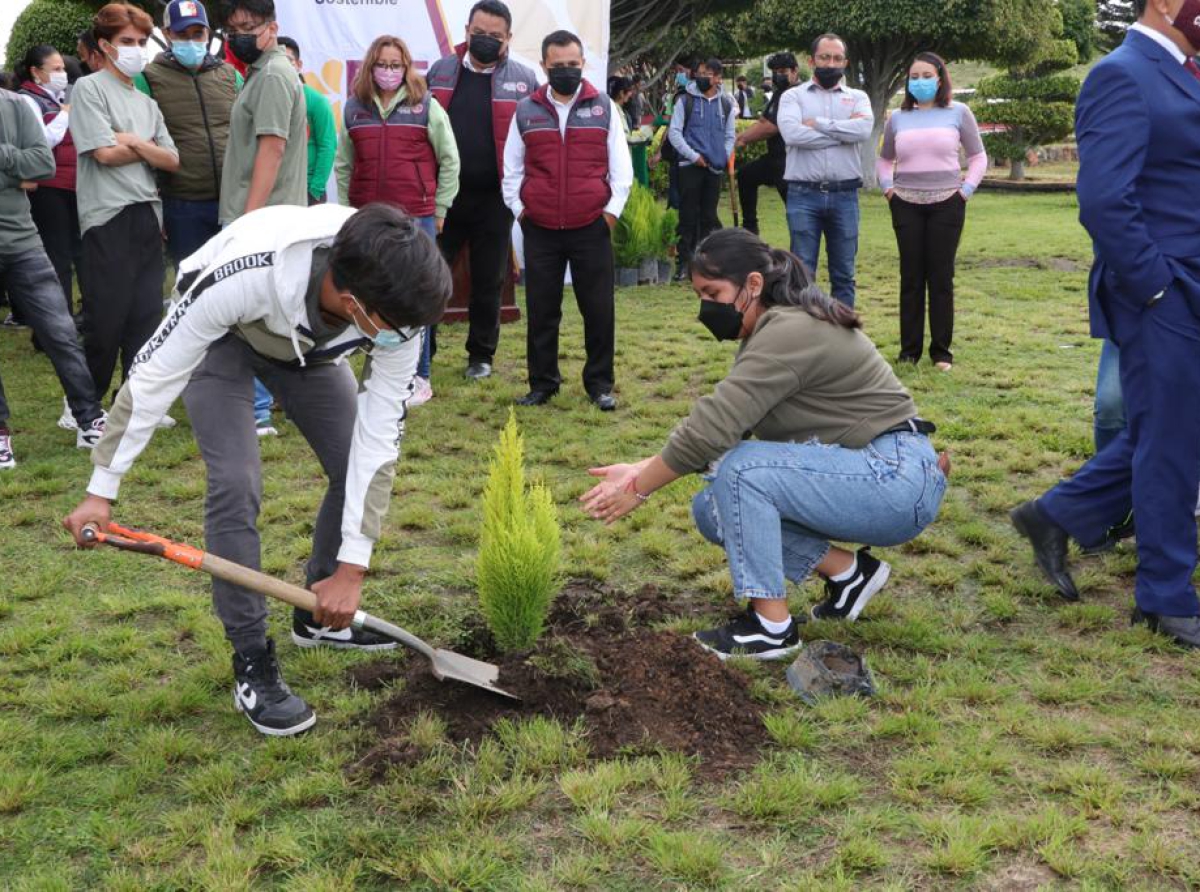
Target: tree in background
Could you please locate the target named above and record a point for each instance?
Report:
(1113, 18)
(882, 38)
(1034, 102)
(58, 23)
(651, 35)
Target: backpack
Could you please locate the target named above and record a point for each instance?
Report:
(669, 152)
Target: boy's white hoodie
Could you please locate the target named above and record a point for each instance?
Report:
(253, 277)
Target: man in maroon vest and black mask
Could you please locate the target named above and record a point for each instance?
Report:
(567, 175)
(480, 86)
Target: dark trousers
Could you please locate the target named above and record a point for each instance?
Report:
(34, 291)
(123, 273)
(699, 194)
(1154, 464)
(672, 184)
(927, 236)
(320, 400)
(188, 225)
(482, 221)
(56, 215)
(589, 253)
(764, 171)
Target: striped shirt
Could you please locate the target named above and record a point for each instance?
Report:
(920, 150)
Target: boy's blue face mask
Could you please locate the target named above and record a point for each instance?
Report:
(189, 53)
(384, 339)
(923, 89)
(681, 79)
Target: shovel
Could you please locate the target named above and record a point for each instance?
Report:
(443, 663)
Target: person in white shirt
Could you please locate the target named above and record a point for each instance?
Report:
(567, 175)
(286, 294)
(824, 123)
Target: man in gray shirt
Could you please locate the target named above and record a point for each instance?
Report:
(33, 285)
(823, 123)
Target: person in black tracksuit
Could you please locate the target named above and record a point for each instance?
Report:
(767, 170)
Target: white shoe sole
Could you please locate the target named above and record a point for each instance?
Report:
(878, 581)
(301, 641)
(780, 653)
(274, 732)
(5, 465)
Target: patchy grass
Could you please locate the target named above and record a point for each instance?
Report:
(1017, 742)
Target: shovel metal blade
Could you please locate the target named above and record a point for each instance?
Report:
(445, 664)
(448, 664)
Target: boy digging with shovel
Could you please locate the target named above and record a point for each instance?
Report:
(286, 294)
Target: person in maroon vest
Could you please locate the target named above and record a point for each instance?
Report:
(480, 86)
(567, 175)
(397, 146)
(42, 75)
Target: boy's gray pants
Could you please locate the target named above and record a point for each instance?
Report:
(321, 401)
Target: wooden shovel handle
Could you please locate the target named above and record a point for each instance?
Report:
(196, 559)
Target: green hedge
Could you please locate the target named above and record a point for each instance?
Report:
(58, 23)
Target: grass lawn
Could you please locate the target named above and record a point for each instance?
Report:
(1017, 742)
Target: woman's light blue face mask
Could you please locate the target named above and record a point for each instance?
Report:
(923, 89)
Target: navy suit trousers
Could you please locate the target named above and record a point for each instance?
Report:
(1155, 464)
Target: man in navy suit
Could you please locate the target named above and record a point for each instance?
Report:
(1138, 129)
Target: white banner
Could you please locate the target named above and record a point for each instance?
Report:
(334, 34)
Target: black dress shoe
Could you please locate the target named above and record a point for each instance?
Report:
(477, 370)
(537, 398)
(1185, 630)
(1049, 543)
(605, 402)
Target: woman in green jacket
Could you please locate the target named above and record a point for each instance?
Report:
(838, 452)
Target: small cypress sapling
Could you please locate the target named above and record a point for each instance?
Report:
(517, 572)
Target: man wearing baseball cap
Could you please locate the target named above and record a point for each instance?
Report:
(194, 91)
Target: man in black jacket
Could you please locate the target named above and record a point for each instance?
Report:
(767, 170)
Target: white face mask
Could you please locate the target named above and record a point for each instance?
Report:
(58, 81)
(130, 61)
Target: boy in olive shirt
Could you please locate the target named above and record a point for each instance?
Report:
(266, 158)
(121, 140)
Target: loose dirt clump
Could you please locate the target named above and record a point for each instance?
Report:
(635, 689)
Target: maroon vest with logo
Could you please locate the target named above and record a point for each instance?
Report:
(566, 180)
(511, 82)
(393, 159)
(65, 160)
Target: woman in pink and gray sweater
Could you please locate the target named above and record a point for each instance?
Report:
(920, 173)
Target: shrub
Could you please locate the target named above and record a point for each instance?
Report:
(637, 234)
(517, 572)
(56, 22)
(668, 226)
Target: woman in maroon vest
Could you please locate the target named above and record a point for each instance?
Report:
(397, 147)
(43, 78)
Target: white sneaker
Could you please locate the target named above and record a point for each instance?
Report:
(66, 420)
(166, 423)
(422, 392)
(6, 453)
(88, 437)
(265, 429)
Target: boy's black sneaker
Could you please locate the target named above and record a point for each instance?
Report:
(846, 599)
(744, 636)
(306, 632)
(260, 692)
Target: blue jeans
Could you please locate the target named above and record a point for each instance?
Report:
(36, 293)
(1109, 409)
(811, 214)
(775, 506)
(189, 224)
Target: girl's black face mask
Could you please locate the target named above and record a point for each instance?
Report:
(724, 321)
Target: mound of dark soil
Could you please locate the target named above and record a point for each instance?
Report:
(634, 688)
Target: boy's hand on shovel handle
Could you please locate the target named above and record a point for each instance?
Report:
(338, 596)
(92, 509)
